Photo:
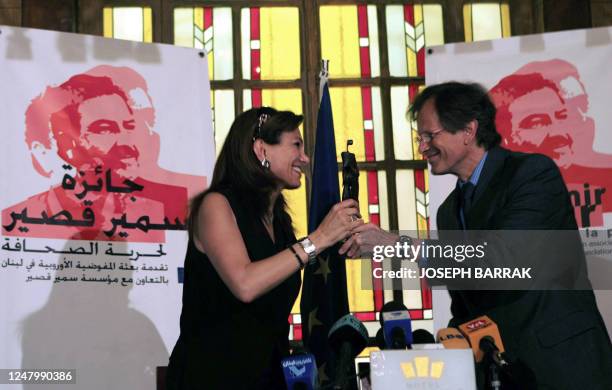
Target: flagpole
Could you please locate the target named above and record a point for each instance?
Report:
(323, 77)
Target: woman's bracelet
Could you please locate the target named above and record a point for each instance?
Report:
(301, 263)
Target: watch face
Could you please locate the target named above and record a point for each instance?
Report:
(308, 246)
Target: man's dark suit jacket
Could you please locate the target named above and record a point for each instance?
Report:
(559, 335)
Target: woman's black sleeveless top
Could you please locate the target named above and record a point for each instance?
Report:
(225, 343)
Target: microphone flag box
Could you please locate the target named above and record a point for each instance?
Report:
(300, 369)
(393, 320)
(441, 369)
(479, 328)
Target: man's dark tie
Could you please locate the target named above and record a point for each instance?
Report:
(467, 193)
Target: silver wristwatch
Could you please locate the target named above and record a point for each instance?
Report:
(309, 248)
(405, 239)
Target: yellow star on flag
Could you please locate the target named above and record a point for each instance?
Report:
(323, 267)
(313, 320)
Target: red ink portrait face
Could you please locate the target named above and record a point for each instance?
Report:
(540, 124)
(543, 108)
(99, 128)
(112, 134)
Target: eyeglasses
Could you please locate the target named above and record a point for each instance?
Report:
(427, 136)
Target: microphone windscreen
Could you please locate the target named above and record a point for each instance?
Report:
(421, 336)
(350, 330)
(380, 339)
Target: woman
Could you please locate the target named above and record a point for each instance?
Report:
(242, 266)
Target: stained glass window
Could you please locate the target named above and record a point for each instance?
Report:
(484, 21)
(269, 45)
(131, 23)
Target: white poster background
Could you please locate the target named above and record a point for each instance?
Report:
(487, 62)
(114, 336)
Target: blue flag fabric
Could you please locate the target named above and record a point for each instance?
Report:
(324, 293)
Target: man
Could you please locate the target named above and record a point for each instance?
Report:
(558, 334)
(95, 126)
(543, 108)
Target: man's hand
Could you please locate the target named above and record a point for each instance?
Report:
(364, 238)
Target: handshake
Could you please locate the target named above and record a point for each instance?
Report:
(343, 224)
(364, 238)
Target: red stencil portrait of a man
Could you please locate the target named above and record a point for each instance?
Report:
(543, 107)
(100, 124)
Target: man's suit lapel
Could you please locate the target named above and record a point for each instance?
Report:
(450, 215)
(486, 190)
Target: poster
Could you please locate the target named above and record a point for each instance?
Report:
(103, 144)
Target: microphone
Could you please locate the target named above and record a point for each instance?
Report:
(347, 338)
(478, 329)
(300, 371)
(487, 345)
(380, 339)
(490, 350)
(396, 324)
(451, 338)
(421, 336)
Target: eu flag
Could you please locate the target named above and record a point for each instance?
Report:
(324, 293)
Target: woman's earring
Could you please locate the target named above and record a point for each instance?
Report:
(265, 163)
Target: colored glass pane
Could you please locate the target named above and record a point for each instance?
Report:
(483, 21)
(222, 102)
(295, 310)
(402, 132)
(209, 29)
(505, 20)
(360, 299)
(131, 23)
(413, 187)
(383, 202)
(409, 28)
(349, 40)
(404, 128)
(406, 200)
(357, 116)
(434, 24)
(411, 288)
(270, 43)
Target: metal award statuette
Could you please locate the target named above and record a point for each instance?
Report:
(350, 174)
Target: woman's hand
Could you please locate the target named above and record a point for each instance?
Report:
(363, 240)
(337, 224)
